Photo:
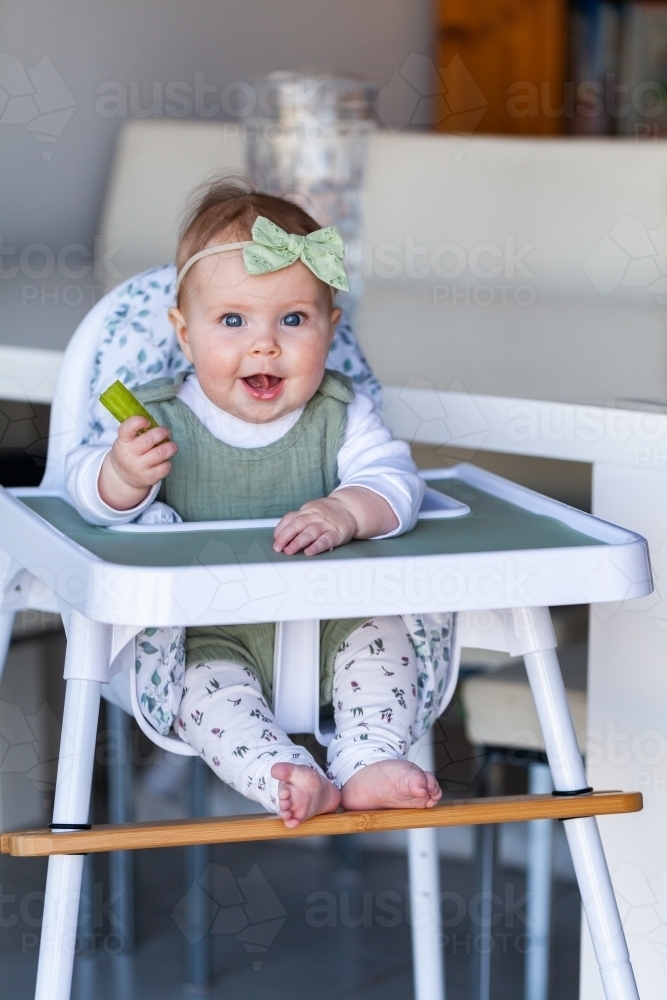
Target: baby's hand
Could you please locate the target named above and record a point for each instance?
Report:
(320, 525)
(135, 463)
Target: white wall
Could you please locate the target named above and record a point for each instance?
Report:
(51, 192)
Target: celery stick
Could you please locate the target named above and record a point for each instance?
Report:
(122, 404)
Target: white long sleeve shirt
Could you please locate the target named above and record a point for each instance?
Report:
(369, 457)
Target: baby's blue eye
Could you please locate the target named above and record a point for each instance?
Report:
(233, 319)
(292, 319)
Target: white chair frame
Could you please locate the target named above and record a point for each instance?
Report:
(527, 632)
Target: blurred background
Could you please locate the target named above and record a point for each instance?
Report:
(101, 107)
(72, 74)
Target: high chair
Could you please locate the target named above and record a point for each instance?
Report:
(495, 553)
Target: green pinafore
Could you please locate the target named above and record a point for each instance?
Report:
(211, 481)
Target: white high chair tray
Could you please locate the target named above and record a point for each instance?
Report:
(512, 548)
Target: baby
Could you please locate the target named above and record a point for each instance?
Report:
(262, 429)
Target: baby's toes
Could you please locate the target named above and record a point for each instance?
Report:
(433, 789)
(282, 771)
(424, 787)
(285, 801)
(417, 783)
(418, 789)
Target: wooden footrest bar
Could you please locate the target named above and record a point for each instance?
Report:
(232, 829)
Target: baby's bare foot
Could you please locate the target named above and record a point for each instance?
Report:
(390, 784)
(303, 793)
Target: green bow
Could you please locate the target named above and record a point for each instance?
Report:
(272, 249)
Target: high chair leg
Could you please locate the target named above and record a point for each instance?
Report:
(197, 859)
(539, 864)
(86, 664)
(121, 863)
(6, 626)
(583, 836)
(486, 851)
(424, 877)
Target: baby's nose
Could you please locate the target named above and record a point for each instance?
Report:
(265, 346)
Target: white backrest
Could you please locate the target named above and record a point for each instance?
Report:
(70, 404)
(156, 166)
(126, 336)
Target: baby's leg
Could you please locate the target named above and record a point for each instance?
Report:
(375, 700)
(224, 717)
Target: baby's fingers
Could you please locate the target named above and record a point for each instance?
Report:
(160, 453)
(129, 428)
(151, 440)
(287, 529)
(158, 472)
(133, 432)
(327, 541)
(314, 538)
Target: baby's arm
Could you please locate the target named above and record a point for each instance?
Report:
(380, 491)
(135, 463)
(320, 525)
(83, 467)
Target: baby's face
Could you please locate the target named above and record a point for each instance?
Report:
(259, 343)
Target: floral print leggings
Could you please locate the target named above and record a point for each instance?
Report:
(224, 717)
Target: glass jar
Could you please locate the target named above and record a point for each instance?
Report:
(308, 141)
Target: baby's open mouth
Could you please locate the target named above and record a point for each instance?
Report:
(262, 386)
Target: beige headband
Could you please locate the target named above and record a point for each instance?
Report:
(206, 253)
(273, 249)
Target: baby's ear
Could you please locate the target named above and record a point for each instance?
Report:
(177, 320)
